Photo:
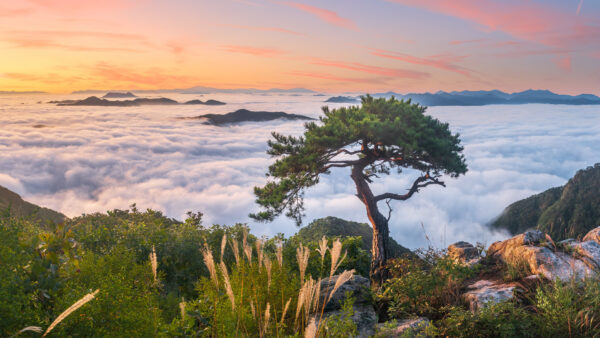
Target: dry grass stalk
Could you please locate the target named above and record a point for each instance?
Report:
(285, 308)
(301, 293)
(154, 263)
(236, 250)
(210, 264)
(336, 250)
(259, 252)
(70, 310)
(322, 250)
(342, 278)
(311, 329)
(35, 329)
(247, 248)
(182, 308)
(267, 317)
(279, 253)
(223, 244)
(302, 254)
(252, 309)
(268, 266)
(228, 288)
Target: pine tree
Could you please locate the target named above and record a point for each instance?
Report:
(372, 139)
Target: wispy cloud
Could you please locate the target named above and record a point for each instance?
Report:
(256, 51)
(264, 29)
(463, 42)
(152, 77)
(579, 7)
(525, 20)
(564, 62)
(326, 15)
(324, 76)
(442, 61)
(359, 67)
(10, 12)
(42, 43)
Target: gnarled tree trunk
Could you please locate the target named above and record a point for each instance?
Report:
(381, 231)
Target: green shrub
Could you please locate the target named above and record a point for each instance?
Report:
(423, 285)
(126, 305)
(504, 319)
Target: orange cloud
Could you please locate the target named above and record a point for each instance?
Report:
(9, 12)
(42, 43)
(325, 15)
(391, 72)
(266, 52)
(265, 29)
(324, 76)
(445, 62)
(76, 5)
(153, 77)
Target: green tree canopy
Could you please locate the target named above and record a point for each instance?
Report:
(374, 138)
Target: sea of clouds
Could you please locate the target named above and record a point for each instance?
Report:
(87, 159)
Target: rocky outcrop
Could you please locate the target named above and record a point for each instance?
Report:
(358, 287)
(536, 251)
(404, 328)
(464, 253)
(484, 292)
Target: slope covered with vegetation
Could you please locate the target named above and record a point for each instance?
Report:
(562, 212)
(12, 204)
(337, 227)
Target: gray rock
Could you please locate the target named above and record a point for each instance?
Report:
(464, 252)
(364, 315)
(405, 328)
(593, 235)
(358, 286)
(588, 252)
(485, 292)
(525, 248)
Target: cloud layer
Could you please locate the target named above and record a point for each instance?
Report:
(86, 159)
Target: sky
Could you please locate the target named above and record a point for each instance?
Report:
(406, 46)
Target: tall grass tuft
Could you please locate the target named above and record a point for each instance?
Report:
(70, 310)
(154, 263)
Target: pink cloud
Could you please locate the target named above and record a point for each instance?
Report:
(391, 72)
(564, 62)
(525, 20)
(45, 43)
(10, 12)
(325, 15)
(77, 5)
(266, 52)
(442, 61)
(462, 42)
(265, 29)
(324, 76)
(579, 7)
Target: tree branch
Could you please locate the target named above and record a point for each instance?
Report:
(420, 182)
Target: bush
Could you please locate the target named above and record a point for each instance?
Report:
(504, 319)
(126, 305)
(423, 285)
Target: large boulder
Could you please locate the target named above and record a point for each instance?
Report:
(464, 253)
(404, 328)
(593, 235)
(358, 287)
(485, 292)
(536, 251)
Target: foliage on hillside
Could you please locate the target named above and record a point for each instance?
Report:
(11, 204)
(334, 227)
(47, 268)
(562, 212)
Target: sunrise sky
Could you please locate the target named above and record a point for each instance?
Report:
(327, 45)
